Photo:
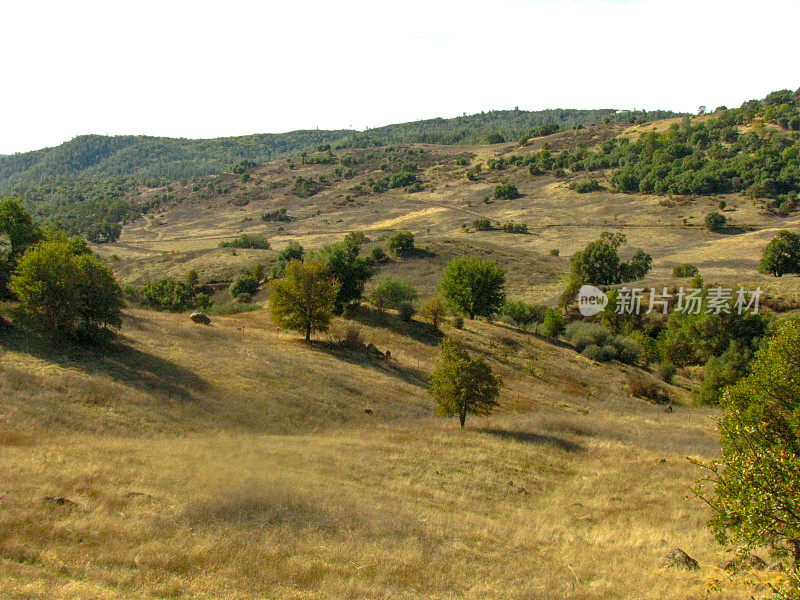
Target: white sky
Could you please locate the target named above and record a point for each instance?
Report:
(207, 69)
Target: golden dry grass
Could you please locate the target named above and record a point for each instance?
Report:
(262, 476)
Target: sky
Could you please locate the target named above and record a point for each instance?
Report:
(202, 69)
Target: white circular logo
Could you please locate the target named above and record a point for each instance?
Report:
(591, 300)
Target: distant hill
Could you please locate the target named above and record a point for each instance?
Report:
(142, 157)
(89, 184)
(509, 124)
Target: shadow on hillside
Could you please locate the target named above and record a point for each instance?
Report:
(371, 357)
(550, 340)
(120, 362)
(424, 333)
(736, 229)
(527, 437)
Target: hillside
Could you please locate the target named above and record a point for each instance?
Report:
(235, 462)
(142, 157)
(85, 186)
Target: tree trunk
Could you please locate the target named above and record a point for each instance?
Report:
(795, 553)
(462, 416)
(308, 333)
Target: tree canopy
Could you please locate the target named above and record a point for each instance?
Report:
(62, 293)
(463, 385)
(756, 500)
(782, 255)
(473, 286)
(305, 298)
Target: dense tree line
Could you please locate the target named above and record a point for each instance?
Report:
(713, 156)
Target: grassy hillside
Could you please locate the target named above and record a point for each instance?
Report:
(88, 185)
(236, 462)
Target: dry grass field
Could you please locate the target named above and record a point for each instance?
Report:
(236, 461)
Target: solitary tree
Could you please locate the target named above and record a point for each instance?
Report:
(475, 287)
(462, 384)
(756, 500)
(304, 300)
(65, 294)
(782, 255)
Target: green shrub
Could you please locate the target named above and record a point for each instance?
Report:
(582, 335)
(401, 243)
(721, 372)
(515, 228)
(522, 314)
(666, 371)
(379, 255)
(626, 350)
(66, 294)
(553, 323)
(294, 251)
(482, 225)
(782, 255)
(392, 292)
(246, 240)
(685, 270)
(586, 186)
(243, 283)
(458, 322)
(506, 191)
(276, 215)
(716, 222)
(168, 294)
(599, 353)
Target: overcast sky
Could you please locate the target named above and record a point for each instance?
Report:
(208, 69)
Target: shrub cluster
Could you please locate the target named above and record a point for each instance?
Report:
(247, 240)
(597, 343)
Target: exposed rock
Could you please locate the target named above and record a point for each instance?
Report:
(748, 562)
(200, 318)
(680, 560)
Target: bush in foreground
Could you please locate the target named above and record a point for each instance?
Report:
(66, 294)
(756, 496)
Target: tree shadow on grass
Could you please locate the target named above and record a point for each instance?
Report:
(424, 333)
(372, 358)
(737, 229)
(120, 362)
(528, 437)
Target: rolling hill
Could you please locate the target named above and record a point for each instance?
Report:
(235, 461)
